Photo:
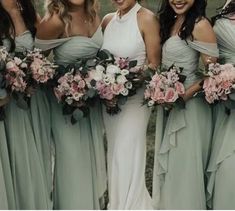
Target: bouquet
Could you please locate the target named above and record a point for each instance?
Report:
(114, 79)
(219, 84)
(23, 71)
(165, 87)
(73, 90)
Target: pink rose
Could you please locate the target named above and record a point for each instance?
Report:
(117, 88)
(179, 88)
(171, 95)
(106, 93)
(158, 96)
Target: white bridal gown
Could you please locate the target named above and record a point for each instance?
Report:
(126, 131)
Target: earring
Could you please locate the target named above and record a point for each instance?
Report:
(20, 8)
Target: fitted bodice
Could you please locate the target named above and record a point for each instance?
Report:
(225, 33)
(186, 55)
(123, 38)
(69, 50)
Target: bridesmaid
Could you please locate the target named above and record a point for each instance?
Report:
(221, 185)
(7, 200)
(25, 161)
(126, 131)
(72, 30)
(183, 138)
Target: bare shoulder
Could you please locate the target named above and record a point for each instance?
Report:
(203, 31)
(50, 28)
(147, 19)
(107, 18)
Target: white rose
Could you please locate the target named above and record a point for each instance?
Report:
(69, 101)
(100, 68)
(124, 72)
(128, 85)
(10, 65)
(112, 69)
(23, 65)
(121, 79)
(109, 79)
(125, 92)
(17, 60)
(150, 103)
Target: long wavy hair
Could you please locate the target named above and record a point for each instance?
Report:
(7, 28)
(168, 17)
(61, 7)
(225, 12)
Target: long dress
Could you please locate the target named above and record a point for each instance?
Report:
(29, 179)
(221, 171)
(126, 131)
(41, 124)
(80, 173)
(7, 198)
(183, 138)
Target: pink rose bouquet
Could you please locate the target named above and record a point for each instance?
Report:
(219, 83)
(165, 87)
(73, 90)
(114, 79)
(23, 71)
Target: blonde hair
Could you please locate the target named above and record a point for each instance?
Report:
(61, 7)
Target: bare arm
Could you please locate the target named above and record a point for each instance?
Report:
(203, 32)
(150, 29)
(14, 11)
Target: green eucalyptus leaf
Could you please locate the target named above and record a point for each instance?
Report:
(91, 93)
(105, 55)
(2, 65)
(132, 63)
(67, 109)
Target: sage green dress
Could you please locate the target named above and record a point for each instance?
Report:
(183, 138)
(7, 199)
(221, 168)
(29, 179)
(80, 173)
(41, 124)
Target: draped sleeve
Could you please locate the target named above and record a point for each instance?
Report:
(24, 41)
(46, 45)
(210, 49)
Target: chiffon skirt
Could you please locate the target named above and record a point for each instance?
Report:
(7, 197)
(183, 141)
(76, 183)
(221, 171)
(29, 180)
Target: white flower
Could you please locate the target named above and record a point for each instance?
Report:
(121, 79)
(69, 101)
(100, 68)
(10, 65)
(150, 103)
(125, 92)
(96, 74)
(128, 85)
(108, 79)
(124, 72)
(17, 60)
(112, 69)
(233, 86)
(23, 65)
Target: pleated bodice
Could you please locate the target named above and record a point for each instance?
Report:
(186, 55)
